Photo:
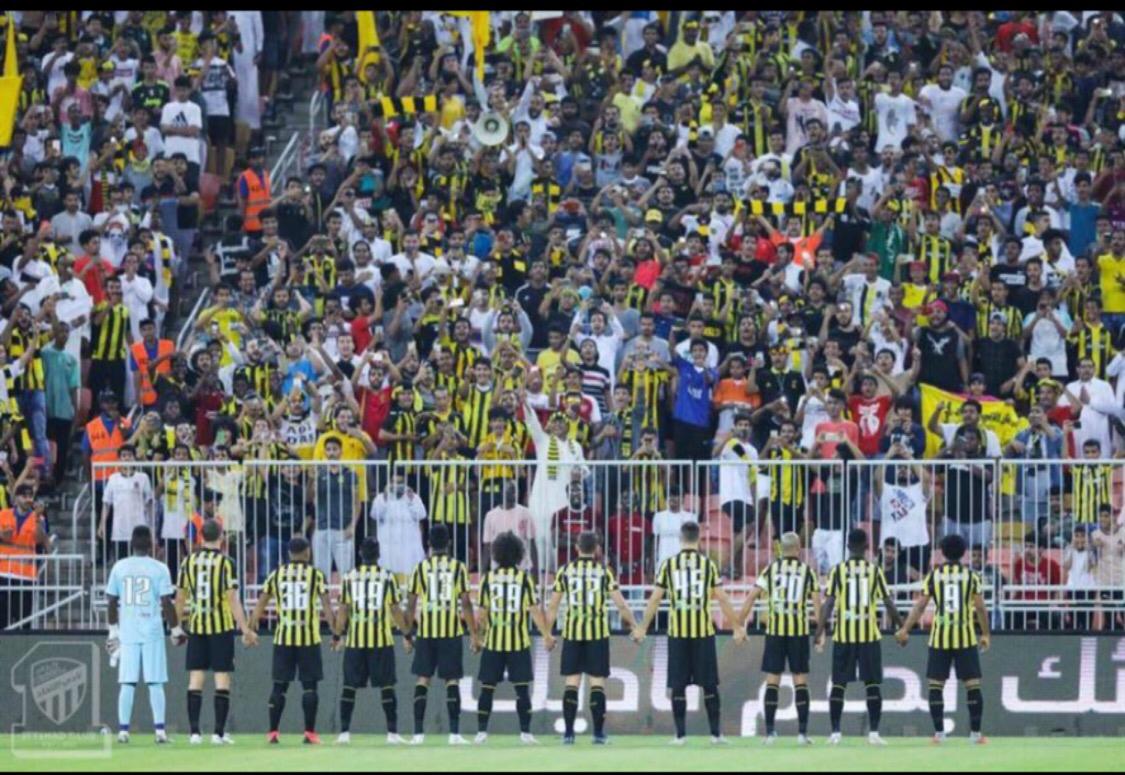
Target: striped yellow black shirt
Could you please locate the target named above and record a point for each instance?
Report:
(370, 594)
(464, 356)
(787, 483)
(439, 582)
(109, 335)
(32, 377)
(206, 577)
(936, 253)
(586, 586)
(449, 491)
(1095, 343)
(1013, 326)
(953, 588)
(297, 587)
(646, 387)
(689, 579)
(401, 421)
(649, 482)
(475, 409)
(506, 595)
(1090, 488)
(789, 585)
(857, 586)
(493, 476)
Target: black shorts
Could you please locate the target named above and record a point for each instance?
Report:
(780, 649)
(740, 512)
(211, 652)
(220, 130)
(967, 662)
(374, 667)
(288, 661)
(590, 657)
(441, 655)
(784, 518)
(692, 661)
(867, 658)
(493, 664)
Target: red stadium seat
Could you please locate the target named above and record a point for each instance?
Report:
(82, 411)
(209, 185)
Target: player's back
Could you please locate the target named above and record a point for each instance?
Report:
(586, 585)
(369, 592)
(689, 578)
(139, 583)
(439, 581)
(789, 584)
(857, 585)
(506, 594)
(953, 588)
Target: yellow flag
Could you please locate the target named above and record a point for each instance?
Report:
(997, 416)
(368, 36)
(9, 86)
(481, 24)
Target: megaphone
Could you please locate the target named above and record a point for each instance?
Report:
(491, 129)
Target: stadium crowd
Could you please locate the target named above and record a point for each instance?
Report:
(750, 237)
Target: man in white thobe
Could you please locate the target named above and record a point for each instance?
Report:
(249, 107)
(557, 457)
(1098, 404)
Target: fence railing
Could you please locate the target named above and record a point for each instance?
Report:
(1042, 569)
(44, 591)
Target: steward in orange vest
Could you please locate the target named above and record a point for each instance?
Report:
(22, 533)
(194, 530)
(104, 436)
(150, 356)
(254, 190)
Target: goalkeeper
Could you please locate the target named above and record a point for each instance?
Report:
(138, 591)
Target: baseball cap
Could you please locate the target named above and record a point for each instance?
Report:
(976, 376)
(654, 216)
(939, 304)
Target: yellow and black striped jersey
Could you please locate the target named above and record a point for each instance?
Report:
(1091, 488)
(789, 585)
(32, 377)
(787, 482)
(110, 335)
(439, 582)
(475, 408)
(206, 576)
(370, 594)
(953, 588)
(857, 586)
(689, 579)
(586, 586)
(297, 588)
(506, 595)
(1095, 343)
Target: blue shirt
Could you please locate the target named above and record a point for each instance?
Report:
(139, 583)
(693, 394)
(1082, 232)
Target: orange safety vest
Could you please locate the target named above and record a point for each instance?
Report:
(24, 537)
(258, 199)
(104, 445)
(140, 355)
(194, 530)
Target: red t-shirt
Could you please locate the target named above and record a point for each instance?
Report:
(870, 415)
(647, 272)
(374, 406)
(95, 283)
(361, 332)
(842, 428)
(627, 546)
(1046, 572)
(567, 524)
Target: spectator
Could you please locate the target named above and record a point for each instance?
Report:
(336, 510)
(1078, 563)
(1108, 541)
(666, 528)
(508, 517)
(129, 495)
(397, 513)
(1040, 572)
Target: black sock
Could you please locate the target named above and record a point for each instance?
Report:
(347, 705)
(597, 709)
(771, 707)
(523, 706)
(277, 704)
(570, 709)
(194, 706)
(937, 707)
(874, 705)
(836, 705)
(975, 701)
(390, 708)
(420, 692)
(484, 707)
(222, 708)
(453, 707)
(801, 699)
(679, 712)
(310, 701)
(711, 704)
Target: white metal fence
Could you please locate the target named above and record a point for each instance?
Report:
(1046, 563)
(53, 595)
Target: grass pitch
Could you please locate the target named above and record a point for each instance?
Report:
(504, 753)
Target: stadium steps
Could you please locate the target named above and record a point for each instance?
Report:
(75, 537)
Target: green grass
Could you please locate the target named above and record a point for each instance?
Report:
(626, 753)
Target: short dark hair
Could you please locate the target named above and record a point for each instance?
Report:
(439, 538)
(507, 550)
(689, 532)
(212, 531)
(369, 551)
(298, 545)
(141, 541)
(587, 542)
(953, 547)
(857, 539)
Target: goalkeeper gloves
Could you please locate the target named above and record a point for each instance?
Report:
(113, 644)
(178, 635)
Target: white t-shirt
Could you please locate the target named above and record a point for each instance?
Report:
(130, 497)
(845, 113)
(991, 441)
(871, 187)
(945, 105)
(423, 264)
(666, 530)
(895, 116)
(182, 114)
(867, 298)
(216, 75)
(904, 514)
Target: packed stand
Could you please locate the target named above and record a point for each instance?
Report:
(776, 245)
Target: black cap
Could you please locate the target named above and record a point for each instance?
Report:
(257, 150)
(107, 395)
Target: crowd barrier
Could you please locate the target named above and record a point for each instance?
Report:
(1046, 563)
